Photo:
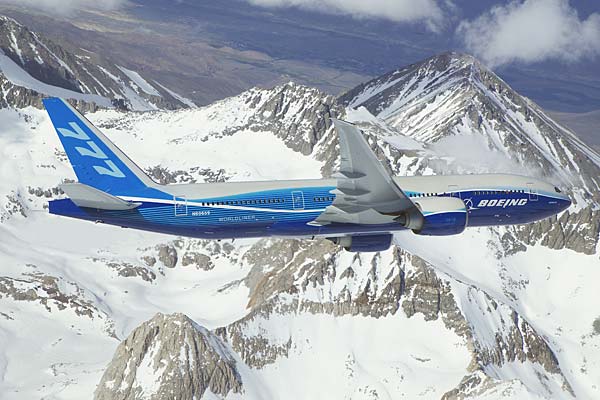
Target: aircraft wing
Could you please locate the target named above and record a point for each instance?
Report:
(365, 192)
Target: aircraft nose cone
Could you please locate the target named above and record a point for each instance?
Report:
(565, 203)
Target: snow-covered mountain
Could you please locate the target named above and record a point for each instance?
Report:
(33, 67)
(492, 313)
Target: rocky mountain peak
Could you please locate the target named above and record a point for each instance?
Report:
(450, 61)
(448, 317)
(298, 114)
(170, 356)
(9, 20)
(32, 66)
(39, 59)
(450, 71)
(454, 95)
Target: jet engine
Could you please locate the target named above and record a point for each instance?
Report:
(364, 242)
(441, 216)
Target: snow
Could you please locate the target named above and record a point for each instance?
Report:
(148, 374)
(371, 91)
(355, 356)
(38, 59)
(15, 46)
(246, 154)
(18, 76)
(57, 58)
(330, 357)
(138, 103)
(140, 82)
(556, 297)
(95, 79)
(79, 254)
(182, 99)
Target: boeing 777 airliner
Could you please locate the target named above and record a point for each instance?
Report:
(359, 208)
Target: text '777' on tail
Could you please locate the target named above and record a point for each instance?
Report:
(96, 160)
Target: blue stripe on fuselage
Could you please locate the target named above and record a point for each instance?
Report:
(258, 214)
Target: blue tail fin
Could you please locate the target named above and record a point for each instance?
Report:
(96, 160)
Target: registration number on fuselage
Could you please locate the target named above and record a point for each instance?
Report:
(200, 213)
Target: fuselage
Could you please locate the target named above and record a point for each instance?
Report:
(288, 208)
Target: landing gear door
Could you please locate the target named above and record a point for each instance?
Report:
(533, 194)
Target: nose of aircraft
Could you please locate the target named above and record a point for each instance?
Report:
(564, 203)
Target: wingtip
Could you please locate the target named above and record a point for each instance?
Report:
(340, 121)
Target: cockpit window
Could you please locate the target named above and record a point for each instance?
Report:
(557, 190)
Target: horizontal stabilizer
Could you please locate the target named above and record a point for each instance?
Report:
(89, 197)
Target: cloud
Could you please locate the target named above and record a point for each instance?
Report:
(531, 31)
(471, 153)
(66, 6)
(424, 11)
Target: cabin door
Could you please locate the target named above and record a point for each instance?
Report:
(533, 194)
(298, 200)
(181, 207)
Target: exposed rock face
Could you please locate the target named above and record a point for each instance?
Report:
(199, 260)
(48, 291)
(288, 279)
(596, 326)
(129, 270)
(169, 357)
(472, 385)
(578, 231)
(167, 254)
(149, 260)
(297, 114)
(452, 98)
(289, 276)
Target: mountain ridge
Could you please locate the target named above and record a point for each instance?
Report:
(42, 68)
(483, 314)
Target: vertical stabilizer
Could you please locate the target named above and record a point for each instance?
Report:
(96, 160)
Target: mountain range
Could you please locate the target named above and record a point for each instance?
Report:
(96, 311)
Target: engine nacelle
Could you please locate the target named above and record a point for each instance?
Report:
(364, 242)
(442, 216)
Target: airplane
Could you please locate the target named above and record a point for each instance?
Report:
(359, 208)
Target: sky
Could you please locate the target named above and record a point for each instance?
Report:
(548, 50)
(517, 31)
(524, 31)
(428, 12)
(532, 31)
